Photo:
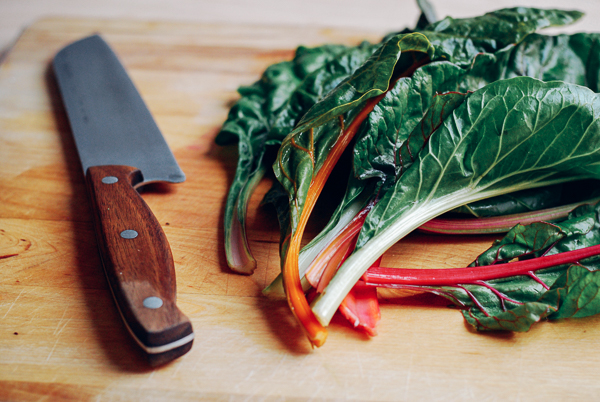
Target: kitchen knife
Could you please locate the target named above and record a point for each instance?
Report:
(121, 148)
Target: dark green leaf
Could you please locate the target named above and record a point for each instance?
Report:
(519, 319)
(506, 26)
(410, 108)
(513, 133)
(249, 122)
(386, 129)
(315, 86)
(577, 293)
(371, 79)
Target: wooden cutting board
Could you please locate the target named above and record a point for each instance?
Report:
(60, 334)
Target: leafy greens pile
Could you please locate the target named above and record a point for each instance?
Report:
(439, 118)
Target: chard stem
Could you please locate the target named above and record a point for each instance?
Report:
(455, 276)
(237, 251)
(499, 224)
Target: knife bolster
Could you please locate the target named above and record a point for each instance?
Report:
(137, 260)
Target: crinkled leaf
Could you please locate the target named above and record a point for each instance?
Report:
(506, 26)
(377, 133)
(570, 58)
(462, 40)
(490, 312)
(577, 292)
(385, 130)
(519, 319)
(382, 135)
(410, 105)
(513, 133)
(303, 152)
(253, 113)
(249, 122)
(371, 79)
(315, 86)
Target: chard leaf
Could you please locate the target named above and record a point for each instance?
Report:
(486, 310)
(545, 57)
(249, 121)
(506, 26)
(519, 319)
(303, 152)
(580, 230)
(570, 58)
(510, 135)
(511, 132)
(462, 40)
(315, 86)
(573, 291)
(254, 112)
(575, 294)
(308, 154)
(370, 80)
(378, 150)
(577, 291)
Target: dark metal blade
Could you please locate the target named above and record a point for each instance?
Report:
(110, 121)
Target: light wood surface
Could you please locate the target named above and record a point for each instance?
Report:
(60, 334)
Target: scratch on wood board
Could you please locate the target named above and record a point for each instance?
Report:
(13, 303)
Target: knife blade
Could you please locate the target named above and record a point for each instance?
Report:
(121, 148)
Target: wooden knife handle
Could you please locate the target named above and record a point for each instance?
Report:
(138, 263)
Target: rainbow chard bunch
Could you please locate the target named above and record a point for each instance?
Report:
(480, 115)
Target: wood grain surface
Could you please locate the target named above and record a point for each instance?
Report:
(61, 337)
